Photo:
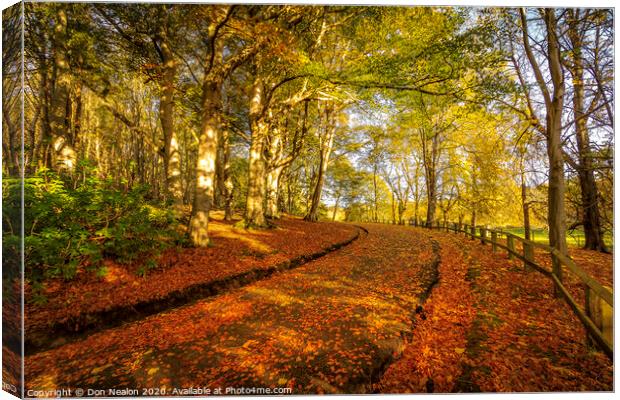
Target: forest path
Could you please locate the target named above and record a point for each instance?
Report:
(332, 325)
(489, 325)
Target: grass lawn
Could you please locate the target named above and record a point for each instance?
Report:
(575, 238)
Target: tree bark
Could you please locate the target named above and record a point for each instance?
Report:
(393, 209)
(220, 175)
(205, 163)
(171, 157)
(228, 182)
(274, 171)
(336, 208)
(525, 204)
(556, 213)
(431, 194)
(554, 101)
(375, 193)
(589, 192)
(254, 209)
(430, 157)
(402, 207)
(65, 156)
(273, 191)
(326, 144)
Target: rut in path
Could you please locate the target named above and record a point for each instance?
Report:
(329, 326)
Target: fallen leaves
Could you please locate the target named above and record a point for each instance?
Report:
(251, 337)
(432, 357)
(235, 251)
(331, 326)
(517, 337)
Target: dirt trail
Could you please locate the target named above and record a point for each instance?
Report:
(330, 326)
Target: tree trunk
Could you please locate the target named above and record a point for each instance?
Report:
(171, 157)
(205, 163)
(430, 174)
(526, 207)
(402, 207)
(336, 208)
(556, 213)
(228, 182)
(175, 174)
(273, 190)
(589, 192)
(326, 148)
(432, 203)
(220, 175)
(375, 197)
(254, 209)
(76, 116)
(393, 210)
(61, 99)
(273, 175)
(554, 100)
(313, 214)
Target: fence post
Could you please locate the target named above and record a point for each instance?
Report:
(473, 232)
(588, 311)
(483, 235)
(528, 254)
(494, 241)
(511, 246)
(601, 314)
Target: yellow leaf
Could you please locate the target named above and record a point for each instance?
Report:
(153, 371)
(100, 369)
(459, 350)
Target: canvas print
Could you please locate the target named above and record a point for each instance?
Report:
(296, 199)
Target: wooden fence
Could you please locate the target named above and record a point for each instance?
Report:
(591, 319)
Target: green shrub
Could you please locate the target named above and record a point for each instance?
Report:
(68, 228)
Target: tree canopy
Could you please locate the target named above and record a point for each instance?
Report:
(490, 116)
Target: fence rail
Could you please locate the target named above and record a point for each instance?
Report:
(592, 287)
